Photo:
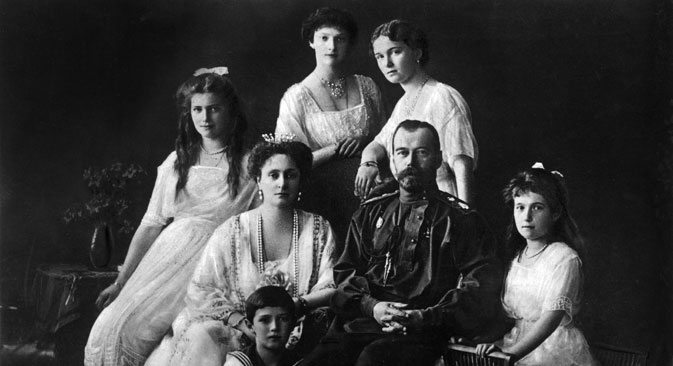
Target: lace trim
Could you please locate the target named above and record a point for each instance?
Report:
(236, 258)
(559, 303)
(317, 252)
(129, 358)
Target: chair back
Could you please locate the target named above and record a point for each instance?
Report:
(461, 355)
(613, 356)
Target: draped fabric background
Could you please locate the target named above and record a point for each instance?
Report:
(583, 86)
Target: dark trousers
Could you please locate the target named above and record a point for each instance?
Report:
(347, 349)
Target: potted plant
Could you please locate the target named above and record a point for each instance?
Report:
(106, 207)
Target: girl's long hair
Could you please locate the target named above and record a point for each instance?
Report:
(550, 185)
(188, 142)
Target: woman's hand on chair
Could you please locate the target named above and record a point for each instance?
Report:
(107, 296)
(365, 180)
(484, 349)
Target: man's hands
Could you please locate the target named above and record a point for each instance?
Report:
(396, 320)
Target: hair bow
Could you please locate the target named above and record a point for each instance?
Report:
(539, 165)
(221, 70)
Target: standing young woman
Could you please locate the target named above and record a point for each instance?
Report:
(333, 112)
(401, 51)
(200, 185)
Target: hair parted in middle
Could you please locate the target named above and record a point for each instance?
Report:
(268, 296)
(551, 186)
(188, 142)
(329, 17)
(297, 151)
(399, 30)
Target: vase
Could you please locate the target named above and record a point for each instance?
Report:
(102, 243)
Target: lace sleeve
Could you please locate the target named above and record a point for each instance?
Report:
(562, 290)
(210, 292)
(374, 101)
(291, 115)
(162, 202)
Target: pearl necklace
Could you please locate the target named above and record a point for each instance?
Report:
(337, 87)
(525, 251)
(409, 107)
(261, 257)
(210, 157)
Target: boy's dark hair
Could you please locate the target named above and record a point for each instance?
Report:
(268, 296)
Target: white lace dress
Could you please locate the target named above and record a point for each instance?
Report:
(446, 110)
(133, 324)
(300, 115)
(224, 278)
(552, 282)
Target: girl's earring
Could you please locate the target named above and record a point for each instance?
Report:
(261, 195)
(299, 196)
(418, 60)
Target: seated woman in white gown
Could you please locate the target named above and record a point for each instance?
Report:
(333, 112)
(274, 244)
(200, 185)
(542, 292)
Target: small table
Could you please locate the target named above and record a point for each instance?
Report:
(64, 297)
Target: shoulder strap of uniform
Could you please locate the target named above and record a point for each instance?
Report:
(454, 201)
(378, 198)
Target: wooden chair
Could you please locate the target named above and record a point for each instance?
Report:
(612, 356)
(461, 355)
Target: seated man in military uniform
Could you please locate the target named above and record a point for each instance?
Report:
(418, 268)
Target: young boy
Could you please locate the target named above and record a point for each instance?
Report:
(269, 312)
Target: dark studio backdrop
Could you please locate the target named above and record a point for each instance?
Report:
(583, 86)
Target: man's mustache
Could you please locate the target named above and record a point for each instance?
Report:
(409, 172)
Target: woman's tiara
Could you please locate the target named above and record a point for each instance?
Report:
(221, 70)
(281, 137)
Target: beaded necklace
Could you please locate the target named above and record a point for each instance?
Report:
(212, 156)
(409, 107)
(261, 257)
(525, 251)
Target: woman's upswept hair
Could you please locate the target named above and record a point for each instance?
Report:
(550, 185)
(188, 142)
(297, 151)
(399, 30)
(329, 17)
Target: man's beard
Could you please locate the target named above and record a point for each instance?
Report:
(412, 180)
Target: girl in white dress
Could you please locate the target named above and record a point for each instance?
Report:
(333, 112)
(200, 185)
(401, 52)
(544, 284)
(274, 244)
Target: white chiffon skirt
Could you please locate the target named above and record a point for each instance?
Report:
(127, 331)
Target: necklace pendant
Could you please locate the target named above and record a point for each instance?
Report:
(337, 87)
